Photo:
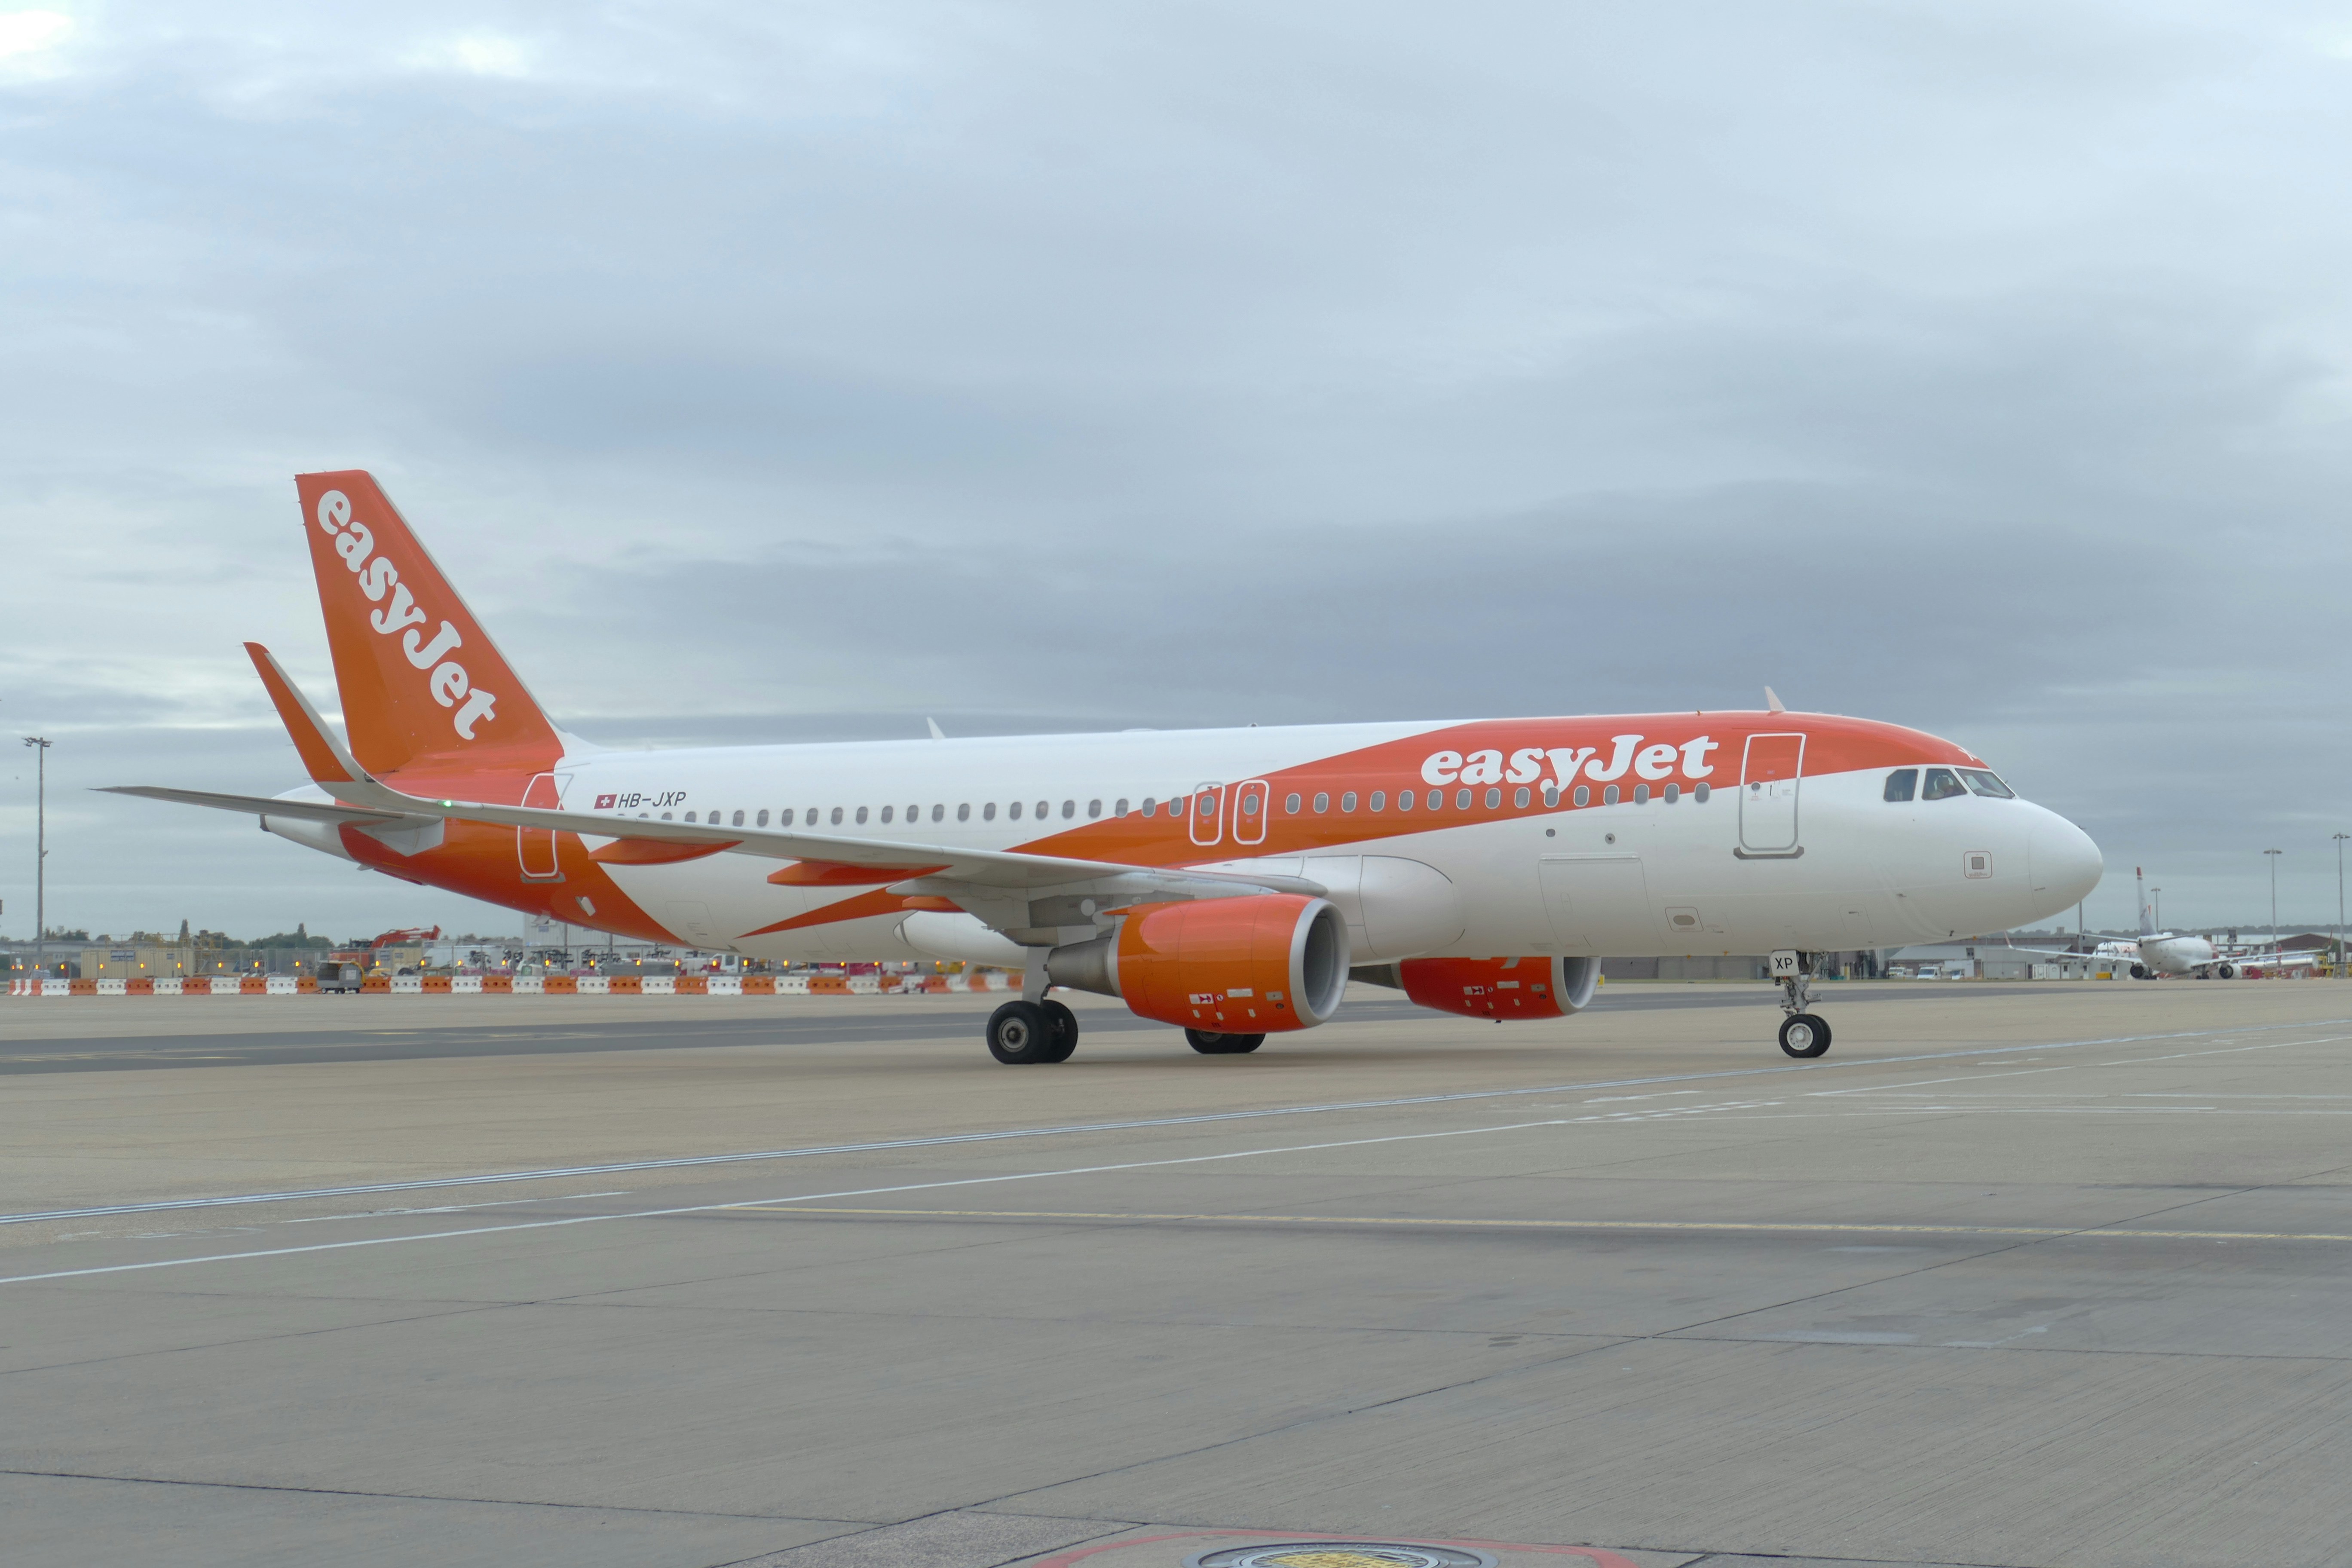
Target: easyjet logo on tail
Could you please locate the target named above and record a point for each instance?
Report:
(404, 618)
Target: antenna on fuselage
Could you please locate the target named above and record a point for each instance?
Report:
(1772, 701)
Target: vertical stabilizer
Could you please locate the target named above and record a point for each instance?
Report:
(2140, 881)
(419, 678)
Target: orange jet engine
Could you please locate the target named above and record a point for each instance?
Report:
(1252, 965)
(1497, 988)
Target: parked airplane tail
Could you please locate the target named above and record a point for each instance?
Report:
(420, 679)
(2140, 881)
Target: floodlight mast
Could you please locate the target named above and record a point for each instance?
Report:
(40, 745)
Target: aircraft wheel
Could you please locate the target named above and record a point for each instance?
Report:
(2227, 972)
(1065, 1026)
(1019, 1033)
(1804, 1037)
(1243, 1045)
(1209, 1043)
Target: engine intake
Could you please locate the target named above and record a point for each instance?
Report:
(1497, 988)
(1256, 965)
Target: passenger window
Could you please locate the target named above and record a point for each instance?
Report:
(1120, 809)
(1347, 801)
(1322, 803)
(1380, 799)
(664, 817)
(914, 814)
(689, 817)
(1094, 808)
(1042, 808)
(785, 817)
(1494, 798)
(1902, 783)
(764, 816)
(1404, 800)
(1609, 795)
(1985, 784)
(963, 812)
(1290, 804)
(1641, 794)
(1249, 804)
(1520, 797)
(1461, 800)
(1583, 794)
(1674, 793)
(1701, 793)
(885, 814)
(1942, 784)
(1069, 809)
(988, 812)
(1152, 806)
(861, 816)
(1208, 806)
(739, 820)
(940, 812)
(1014, 811)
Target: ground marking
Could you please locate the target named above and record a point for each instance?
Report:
(1203, 1118)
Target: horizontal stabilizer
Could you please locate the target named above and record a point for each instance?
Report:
(265, 805)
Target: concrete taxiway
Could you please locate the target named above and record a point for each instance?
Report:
(2033, 1275)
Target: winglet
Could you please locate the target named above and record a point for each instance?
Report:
(1772, 701)
(937, 733)
(322, 756)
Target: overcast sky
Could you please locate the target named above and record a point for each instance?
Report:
(779, 372)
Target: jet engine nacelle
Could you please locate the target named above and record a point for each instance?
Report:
(1248, 965)
(1497, 988)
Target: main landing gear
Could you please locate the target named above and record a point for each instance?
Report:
(1210, 1044)
(1021, 1033)
(1803, 1034)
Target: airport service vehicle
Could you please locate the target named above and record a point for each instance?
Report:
(1228, 882)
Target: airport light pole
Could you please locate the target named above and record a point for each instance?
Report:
(2340, 837)
(2158, 893)
(2273, 855)
(40, 745)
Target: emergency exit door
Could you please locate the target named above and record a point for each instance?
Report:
(1770, 771)
(536, 845)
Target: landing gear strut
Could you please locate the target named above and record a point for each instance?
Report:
(1803, 1035)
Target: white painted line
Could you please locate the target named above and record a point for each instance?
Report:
(1201, 1119)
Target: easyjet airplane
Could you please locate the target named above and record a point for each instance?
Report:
(1225, 881)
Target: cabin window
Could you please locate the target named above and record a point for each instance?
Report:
(1014, 811)
(1175, 806)
(738, 819)
(1520, 797)
(885, 814)
(1404, 800)
(1069, 809)
(1609, 795)
(1902, 783)
(1701, 793)
(1249, 804)
(1674, 793)
(1094, 808)
(1208, 806)
(1641, 794)
(1041, 806)
(764, 816)
(914, 814)
(1322, 803)
(1986, 784)
(1583, 794)
(1461, 800)
(1942, 784)
(1120, 809)
(1152, 806)
(1347, 801)
(988, 812)
(664, 817)
(689, 817)
(1436, 799)
(963, 812)
(1380, 799)
(785, 817)
(1290, 804)
(1494, 798)
(861, 816)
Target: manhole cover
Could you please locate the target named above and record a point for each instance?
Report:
(1339, 1554)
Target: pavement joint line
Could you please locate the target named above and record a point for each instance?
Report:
(749, 1203)
(1197, 1119)
(410, 1497)
(1799, 1227)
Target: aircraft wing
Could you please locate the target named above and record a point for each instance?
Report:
(935, 867)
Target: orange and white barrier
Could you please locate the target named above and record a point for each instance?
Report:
(532, 984)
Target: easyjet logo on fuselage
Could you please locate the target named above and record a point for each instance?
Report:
(447, 680)
(1653, 762)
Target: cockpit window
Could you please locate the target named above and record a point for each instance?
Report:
(1942, 784)
(1902, 783)
(1984, 782)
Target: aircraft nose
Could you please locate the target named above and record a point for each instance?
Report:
(2066, 864)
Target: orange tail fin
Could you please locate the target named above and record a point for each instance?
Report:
(419, 677)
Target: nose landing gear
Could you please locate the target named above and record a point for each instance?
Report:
(1803, 1034)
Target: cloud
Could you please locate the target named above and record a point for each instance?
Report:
(768, 372)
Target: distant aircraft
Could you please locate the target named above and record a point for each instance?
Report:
(2167, 952)
(1229, 881)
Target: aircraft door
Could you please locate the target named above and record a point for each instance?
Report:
(1249, 813)
(1769, 773)
(536, 845)
(1206, 814)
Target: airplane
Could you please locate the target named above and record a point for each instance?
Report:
(1229, 882)
(2168, 952)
